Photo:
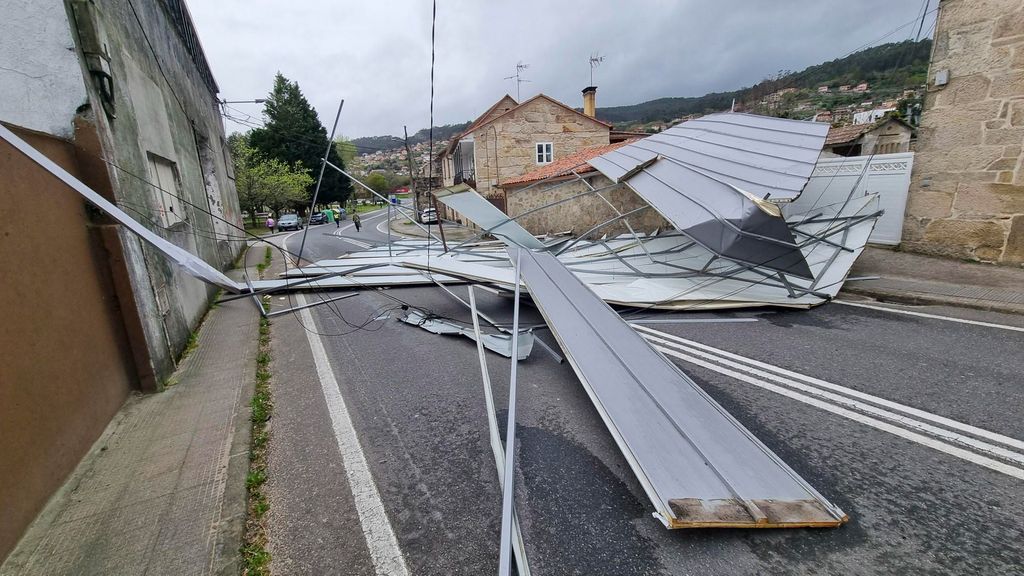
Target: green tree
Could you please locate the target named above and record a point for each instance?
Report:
(379, 182)
(346, 150)
(293, 134)
(264, 183)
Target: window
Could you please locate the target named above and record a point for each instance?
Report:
(544, 153)
(164, 176)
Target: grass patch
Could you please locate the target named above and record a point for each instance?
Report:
(267, 257)
(255, 557)
(192, 343)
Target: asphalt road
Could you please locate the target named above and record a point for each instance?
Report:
(416, 404)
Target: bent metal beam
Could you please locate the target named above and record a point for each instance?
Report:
(698, 465)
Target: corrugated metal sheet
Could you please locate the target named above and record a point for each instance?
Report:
(467, 202)
(697, 464)
(714, 172)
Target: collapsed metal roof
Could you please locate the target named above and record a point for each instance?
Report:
(712, 178)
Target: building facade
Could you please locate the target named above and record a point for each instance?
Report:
(967, 190)
(887, 136)
(118, 93)
(511, 139)
(611, 211)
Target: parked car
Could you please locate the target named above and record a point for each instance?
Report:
(428, 216)
(289, 222)
(318, 218)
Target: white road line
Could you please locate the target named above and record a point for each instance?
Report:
(836, 399)
(380, 537)
(857, 417)
(934, 418)
(926, 315)
(338, 231)
(358, 243)
(715, 364)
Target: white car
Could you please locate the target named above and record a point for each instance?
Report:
(428, 216)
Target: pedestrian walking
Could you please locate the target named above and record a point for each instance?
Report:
(357, 222)
(270, 224)
(337, 217)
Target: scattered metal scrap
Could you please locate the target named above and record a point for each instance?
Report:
(717, 180)
(498, 343)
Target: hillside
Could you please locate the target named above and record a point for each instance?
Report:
(887, 68)
(368, 144)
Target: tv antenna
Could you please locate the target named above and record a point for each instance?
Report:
(517, 76)
(595, 61)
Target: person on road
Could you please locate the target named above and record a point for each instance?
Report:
(337, 217)
(357, 222)
(270, 223)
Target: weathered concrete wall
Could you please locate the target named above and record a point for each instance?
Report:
(581, 214)
(65, 362)
(89, 312)
(967, 190)
(41, 83)
(165, 112)
(506, 148)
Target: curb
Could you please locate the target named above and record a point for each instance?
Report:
(920, 299)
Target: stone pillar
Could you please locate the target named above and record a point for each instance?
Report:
(967, 189)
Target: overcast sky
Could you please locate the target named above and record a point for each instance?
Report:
(376, 54)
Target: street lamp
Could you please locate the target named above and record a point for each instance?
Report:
(256, 101)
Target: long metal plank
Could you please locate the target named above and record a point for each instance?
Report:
(194, 265)
(467, 202)
(697, 464)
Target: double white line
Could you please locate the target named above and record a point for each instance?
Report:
(982, 447)
(358, 243)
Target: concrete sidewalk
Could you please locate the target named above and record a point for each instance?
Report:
(163, 490)
(916, 279)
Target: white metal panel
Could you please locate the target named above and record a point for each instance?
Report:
(888, 175)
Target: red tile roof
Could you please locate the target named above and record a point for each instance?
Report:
(564, 166)
(844, 134)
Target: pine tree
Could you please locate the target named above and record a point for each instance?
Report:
(293, 133)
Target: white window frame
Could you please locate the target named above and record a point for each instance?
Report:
(544, 152)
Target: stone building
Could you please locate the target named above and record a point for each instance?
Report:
(578, 216)
(511, 139)
(887, 136)
(120, 95)
(967, 190)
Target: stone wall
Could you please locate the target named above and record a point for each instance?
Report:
(967, 190)
(581, 214)
(506, 148)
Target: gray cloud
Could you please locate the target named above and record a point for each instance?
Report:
(376, 55)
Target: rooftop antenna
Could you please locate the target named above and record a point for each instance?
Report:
(595, 61)
(519, 68)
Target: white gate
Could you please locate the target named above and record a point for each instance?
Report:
(888, 175)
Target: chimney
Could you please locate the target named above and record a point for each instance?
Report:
(590, 101)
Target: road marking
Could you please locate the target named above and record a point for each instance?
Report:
(926, 315)
(338, 231)
(668, 344)
(948, 422)
(380, 537)
(359, 243)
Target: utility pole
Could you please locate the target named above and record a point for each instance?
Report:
(519, 80)
(412, 173)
